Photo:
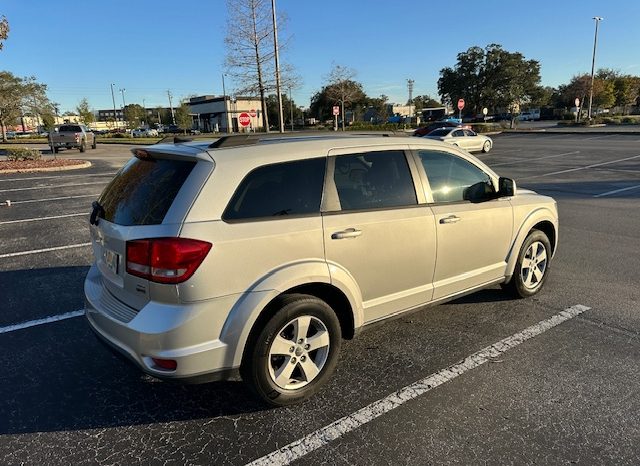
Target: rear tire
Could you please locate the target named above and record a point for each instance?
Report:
(532, 266)
(95, 143)
(295, 353)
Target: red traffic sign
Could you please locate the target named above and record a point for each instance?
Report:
(460, 104)
(244, 119)
(252, 113)
(336, 110)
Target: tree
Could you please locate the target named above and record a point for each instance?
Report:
(134, 114)
(425, 101)
(183, 117)
(343, 89)
(83, 109)
(4, 30)
(491, 77)
(272, 108)
(627, 90)
(323, 101)
(19, 97)
(250, 50)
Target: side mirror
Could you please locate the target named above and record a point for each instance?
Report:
(506, 187)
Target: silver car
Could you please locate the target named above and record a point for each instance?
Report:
(256, 256)
(462, 137)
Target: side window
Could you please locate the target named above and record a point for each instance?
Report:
(279, 190)
(458, 133)
(468, 132)
(453, 179)
(374, 180)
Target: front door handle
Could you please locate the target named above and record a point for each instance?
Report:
(348, 233)
(450, 219)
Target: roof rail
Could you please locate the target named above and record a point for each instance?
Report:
(251, 139)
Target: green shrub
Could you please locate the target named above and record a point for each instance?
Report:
(486, 127)
(628, 120)
(360, 126)
(15, 154)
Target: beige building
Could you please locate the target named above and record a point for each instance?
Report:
(221, 113)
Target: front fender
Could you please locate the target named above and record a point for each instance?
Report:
(540, 214)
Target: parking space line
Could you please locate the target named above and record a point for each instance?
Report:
(37, 251)
(581, 168)
(43, 218)
(59, 176)
(337, 429)
(46, 320)
(535, 158)
(51, 187)
(54, 199)
(616, 191)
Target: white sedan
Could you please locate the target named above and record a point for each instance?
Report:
(144, 133)
(461, 137)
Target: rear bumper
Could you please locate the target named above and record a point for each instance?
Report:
(187, 334)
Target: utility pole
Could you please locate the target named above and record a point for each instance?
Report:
(115, 115)
(291, 107)
(593, 65)
(275, 46)
(410, 87)
(123, 105)
(224, 101)
(173, 117)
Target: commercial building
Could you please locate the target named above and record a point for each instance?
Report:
(220, 114)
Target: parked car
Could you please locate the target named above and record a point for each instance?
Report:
(461, 137)
(144, 133)
(72, 136)
(257, 256)
(438, 124)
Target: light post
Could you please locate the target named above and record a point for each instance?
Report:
(291, 107)
(593, 64)
(123, 104)
(113, 98)
(277, 62)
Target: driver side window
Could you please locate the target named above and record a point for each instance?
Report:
(453, 179)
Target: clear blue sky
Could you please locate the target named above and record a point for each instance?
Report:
(78, 48)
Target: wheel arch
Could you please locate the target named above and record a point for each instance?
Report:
(540, 219)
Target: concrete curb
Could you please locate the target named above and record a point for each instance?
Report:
(86, 164)
(545, 132)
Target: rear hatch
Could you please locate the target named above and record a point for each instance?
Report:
(148, 198)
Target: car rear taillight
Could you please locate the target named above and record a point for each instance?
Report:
(165, 260)
(77, 136)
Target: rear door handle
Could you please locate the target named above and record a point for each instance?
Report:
(450, 219)
(348, 233)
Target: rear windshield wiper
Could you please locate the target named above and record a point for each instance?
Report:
(97, 213)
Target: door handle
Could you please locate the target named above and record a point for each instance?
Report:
(348, 233)
(450, 219)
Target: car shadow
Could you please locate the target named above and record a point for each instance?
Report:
(59, 377)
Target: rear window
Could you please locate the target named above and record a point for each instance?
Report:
(440, 132)
(143, 190)
(70, 128)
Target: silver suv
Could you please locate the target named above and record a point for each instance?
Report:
(257, 256)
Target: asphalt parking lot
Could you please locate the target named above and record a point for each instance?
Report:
(568, 394)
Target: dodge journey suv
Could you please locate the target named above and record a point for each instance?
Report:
(256, 256)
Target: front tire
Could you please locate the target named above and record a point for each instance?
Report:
(95, 143)
(486, 147)
(295, 353)
(532, 266)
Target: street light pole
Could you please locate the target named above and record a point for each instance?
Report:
(593, 64)
(275, 46)
(113, 98)
(123, 104)
(291, 107)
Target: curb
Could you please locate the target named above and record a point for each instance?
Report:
(86, 164)
(545, 132)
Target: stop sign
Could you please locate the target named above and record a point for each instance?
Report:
(252, 113)
(460, 104)
(244, 119)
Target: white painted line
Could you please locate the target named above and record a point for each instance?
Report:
(44, 218)
(38, 251)
(51, 187)
(598, 137)
(616, 191)
(46, 320)
(582, 168)
(535, 158)
(60, 176)
(54, 199)
(337, 429)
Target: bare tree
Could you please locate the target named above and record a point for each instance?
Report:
(341, 87)
(250, 51)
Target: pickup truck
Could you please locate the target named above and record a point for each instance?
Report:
(71, 136)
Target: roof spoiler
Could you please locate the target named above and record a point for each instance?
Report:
(173, 140)
(251, 139)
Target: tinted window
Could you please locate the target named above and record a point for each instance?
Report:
(439, 132)
(458, 133)
(279, 190)
(454, 179)
(374, 180)
(70, 128)
(143, 190)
